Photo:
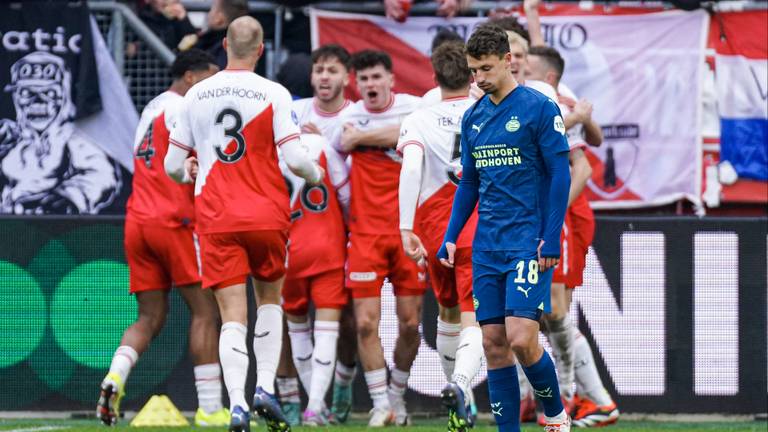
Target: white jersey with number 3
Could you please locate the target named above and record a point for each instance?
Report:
(234, 120)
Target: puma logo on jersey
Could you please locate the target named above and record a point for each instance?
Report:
(477, 128)
(523, 290)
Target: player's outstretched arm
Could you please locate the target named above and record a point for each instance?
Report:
(297, 158)
(408, 196)
(464, 202)
(581, 171)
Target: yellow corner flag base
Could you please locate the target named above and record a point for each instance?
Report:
(159, 411)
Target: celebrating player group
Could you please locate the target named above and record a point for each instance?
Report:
(473, 190)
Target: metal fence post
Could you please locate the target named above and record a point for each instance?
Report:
(118, 42)
(278, 42)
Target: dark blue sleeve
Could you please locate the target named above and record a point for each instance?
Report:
(466, 196)
(554, 150)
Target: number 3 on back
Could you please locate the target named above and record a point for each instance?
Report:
(227, 154)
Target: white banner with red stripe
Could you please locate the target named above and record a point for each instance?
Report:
(642, 71)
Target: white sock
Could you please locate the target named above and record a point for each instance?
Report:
(267, 343)
(122, 362)
(345, 374)
(447, 342)
(561, 339)
(300, 335)
(208, 383)
(323, 362)
(587, 378)
(288, 389)
(526, 391)
(469, 356)
(377, 387)
(233, 355)
(398, 382)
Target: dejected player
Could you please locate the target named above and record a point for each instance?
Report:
(161, 253)
(429, 142)
(515, 163)
(235, 121)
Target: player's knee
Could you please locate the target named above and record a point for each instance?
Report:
(409, 326)
(520, 342)
(495, 347)
(367, 326)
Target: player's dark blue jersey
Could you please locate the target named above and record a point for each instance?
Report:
(507, 148)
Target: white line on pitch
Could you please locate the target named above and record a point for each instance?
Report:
(37, 429)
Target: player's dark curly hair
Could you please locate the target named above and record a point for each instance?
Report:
(191, 60)
(510, 23)
(551, 56)
(488, 39)
(370, 58)
(331, 51)
(449, 62)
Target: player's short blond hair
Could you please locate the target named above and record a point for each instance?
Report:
(244, 36)
(516, 38)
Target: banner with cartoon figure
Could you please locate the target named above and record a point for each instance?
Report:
(48, 163)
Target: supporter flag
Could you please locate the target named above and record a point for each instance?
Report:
(66, 120)
(741, 74)
(640, 68)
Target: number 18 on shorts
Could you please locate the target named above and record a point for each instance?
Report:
(506, 285)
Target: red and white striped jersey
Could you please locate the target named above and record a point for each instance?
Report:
(375, 172)
(329, 123)
(318, 236)
(155, 198)
(234, 120)
(437, 130)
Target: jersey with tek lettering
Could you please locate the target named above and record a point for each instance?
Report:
(156, 199)
(375, 172)
(437, 130)
(507, 144)
(318, 236)
(329, 123)
(235, 120)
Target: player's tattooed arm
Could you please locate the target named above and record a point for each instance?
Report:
(352, 137)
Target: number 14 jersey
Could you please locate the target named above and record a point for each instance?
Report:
(437, 130)
(235, 120)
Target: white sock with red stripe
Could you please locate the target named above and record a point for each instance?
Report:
(233, 355)
(469, 355)
(588, 382)
(345, 374)
(300, 335)
(377, 387)
(323, 362)
(447, 341)
(122, 362)
(288, 389)
(398, 382)
(208, 383)
(267, 343)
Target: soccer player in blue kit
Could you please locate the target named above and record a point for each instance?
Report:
(515, 162)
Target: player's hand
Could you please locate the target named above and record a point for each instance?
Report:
(475, 92)
(583, 109)
(191, 168)
(350, 136)
(545, 263)
(446, 254)
(310, 128)
(413, 246)
(318, 180)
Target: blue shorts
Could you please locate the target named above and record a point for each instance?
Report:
(504, 283)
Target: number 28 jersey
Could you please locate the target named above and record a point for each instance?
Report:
(235, 120)
(437, 130)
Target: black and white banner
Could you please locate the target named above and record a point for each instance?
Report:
(51, 101)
